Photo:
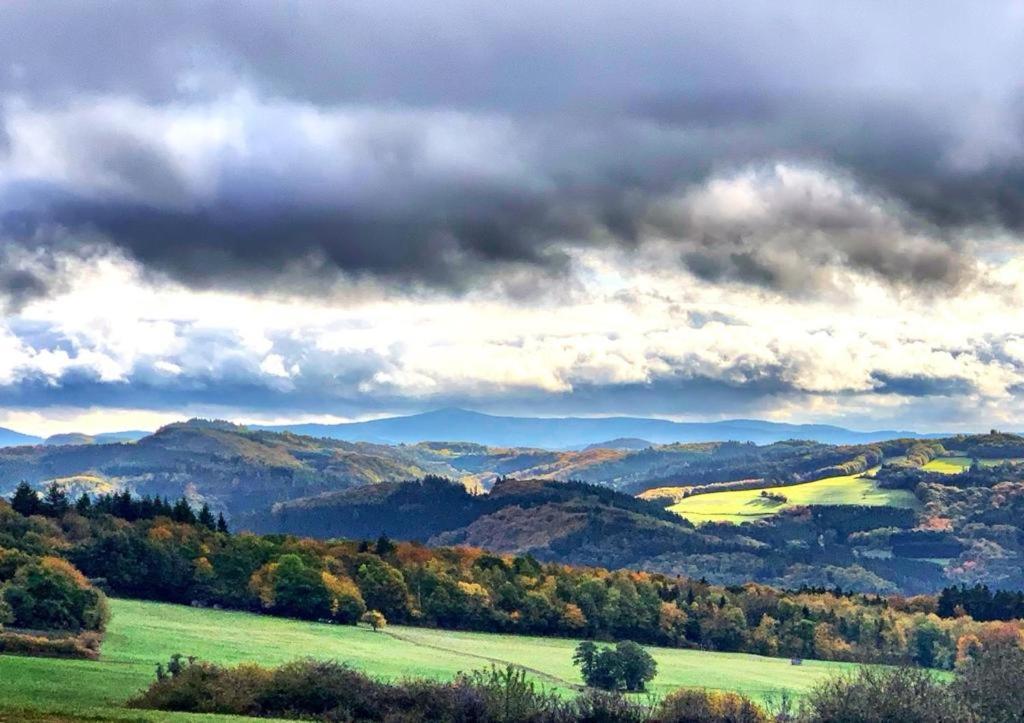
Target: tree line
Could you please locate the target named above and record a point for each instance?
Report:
(159, 558)
(55, 502)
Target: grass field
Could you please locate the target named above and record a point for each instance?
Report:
(948, 465)
(744, 505)
(956, 465)
(142, 634)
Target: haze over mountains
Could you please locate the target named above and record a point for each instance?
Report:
(463, 425)
(576, 432)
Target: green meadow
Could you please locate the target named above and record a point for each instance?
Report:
(141, 634)
(956, 465)
(745, 505)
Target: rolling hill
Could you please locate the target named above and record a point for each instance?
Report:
(241, 470)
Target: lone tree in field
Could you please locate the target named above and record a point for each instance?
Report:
(627, 666)
(375, 619)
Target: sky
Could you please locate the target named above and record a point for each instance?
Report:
(273, 212)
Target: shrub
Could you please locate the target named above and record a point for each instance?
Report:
(86, 645)
(990, 685)
(697, 705)
(598, 706)
(507, 694)
(909, 695)
(332, 691)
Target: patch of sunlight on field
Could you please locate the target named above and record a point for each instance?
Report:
(956, 465)
(947, 465)
(747, 505)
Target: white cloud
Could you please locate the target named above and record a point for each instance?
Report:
(629, 319)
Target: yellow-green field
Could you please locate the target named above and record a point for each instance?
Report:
(746, 505)
(956, 465)
(142, 634)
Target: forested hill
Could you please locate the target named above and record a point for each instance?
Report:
(241, 470)
(176, 557)
(943, 511)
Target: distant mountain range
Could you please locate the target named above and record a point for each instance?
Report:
(577, 432)
(554, 433)
(10, 438)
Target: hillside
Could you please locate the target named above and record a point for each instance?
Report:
(242, 470)
(810, 516)
(576, 432)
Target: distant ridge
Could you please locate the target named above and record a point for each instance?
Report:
(77, 438)
(10, 438)
(576, 432)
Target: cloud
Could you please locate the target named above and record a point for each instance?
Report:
(117, 341)
(793, 228)
(234, 145)
(349, 207)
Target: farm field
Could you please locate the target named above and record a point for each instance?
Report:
(956, 465)
(745, 505)
(144, 633)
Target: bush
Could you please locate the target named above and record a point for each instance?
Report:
(86, 645)
(697, 705)
(990, 685)
(909, 695)
(332, 691)
(598, 706)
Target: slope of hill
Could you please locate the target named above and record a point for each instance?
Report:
(570, 432)
(233, 468)
(587, 525)
(10, 438)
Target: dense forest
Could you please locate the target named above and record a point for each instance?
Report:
(193, 562)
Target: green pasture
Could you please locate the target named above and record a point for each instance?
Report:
(745, 505)
(956, 465)
(144, 633)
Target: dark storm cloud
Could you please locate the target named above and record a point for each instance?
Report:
(918, 385)
(607, 114)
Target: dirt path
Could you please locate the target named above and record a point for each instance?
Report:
(497, 661)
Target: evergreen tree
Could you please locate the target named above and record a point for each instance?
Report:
(26, 500)
(56, 502)
(222, 525)
(206, 517)
(384, 546)
(84, 504)
(182, 512)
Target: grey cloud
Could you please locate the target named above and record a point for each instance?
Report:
(605, 116)
(922, 386)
